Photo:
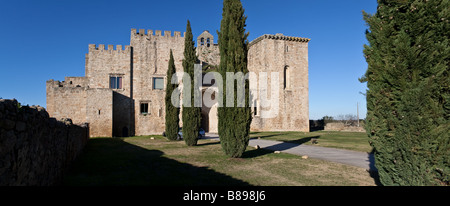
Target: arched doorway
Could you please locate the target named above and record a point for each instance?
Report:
(209, 113)
(213, 120)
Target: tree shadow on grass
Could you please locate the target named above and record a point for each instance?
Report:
(299, 140)
(303, 140)
(113, 162)
(281, 146)
(202, 144)
(255, 153)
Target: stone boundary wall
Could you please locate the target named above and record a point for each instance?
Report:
(35, 149)
(339, 126)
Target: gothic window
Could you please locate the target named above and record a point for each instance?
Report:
(286, 77)
(115, 82)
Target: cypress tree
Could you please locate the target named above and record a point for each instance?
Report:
(172, 112)
(192, 116)
(234, 122)
(408, 99)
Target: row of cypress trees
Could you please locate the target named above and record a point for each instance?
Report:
(234, 122)
(191, 115)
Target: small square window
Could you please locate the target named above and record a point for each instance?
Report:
(115, 82)
(144, 108)
(158, 83)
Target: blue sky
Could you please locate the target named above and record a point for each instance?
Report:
(48, 39)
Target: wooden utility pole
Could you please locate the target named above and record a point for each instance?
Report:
(357, 112)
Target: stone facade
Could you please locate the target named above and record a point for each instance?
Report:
(289, 57)
(121, 93)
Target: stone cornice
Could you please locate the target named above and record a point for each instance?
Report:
(279, 37)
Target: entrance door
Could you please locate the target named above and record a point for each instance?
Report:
(125, 132)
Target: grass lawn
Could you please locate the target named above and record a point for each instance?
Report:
(357, 141)
(159, 162)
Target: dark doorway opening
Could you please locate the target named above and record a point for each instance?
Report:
(125, 132)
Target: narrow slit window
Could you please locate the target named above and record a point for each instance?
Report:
(255, 108)
(286, 77)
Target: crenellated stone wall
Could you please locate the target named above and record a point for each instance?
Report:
(35, 150)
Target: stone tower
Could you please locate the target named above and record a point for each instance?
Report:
(287, 56)
(150, 62)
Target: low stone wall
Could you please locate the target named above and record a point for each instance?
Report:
(36, 149)
(339, 126)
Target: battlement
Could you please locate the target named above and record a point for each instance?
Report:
(279, 37)
(101, 47)
(69, 82)
(143, 32)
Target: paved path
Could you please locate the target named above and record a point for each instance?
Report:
(354, 158)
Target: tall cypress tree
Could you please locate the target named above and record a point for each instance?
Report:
(172, 112)
(408, 99)
(234, 122)
(192, 116)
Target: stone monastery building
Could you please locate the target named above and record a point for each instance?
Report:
(123, 90)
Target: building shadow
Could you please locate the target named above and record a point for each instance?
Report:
(123, 115)
(113, 162)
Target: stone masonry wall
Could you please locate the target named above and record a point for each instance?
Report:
(35, 150)
(99, 112)
(64, 101)
(288, 56)
(101, 64)
(151, 51)
(339, 126)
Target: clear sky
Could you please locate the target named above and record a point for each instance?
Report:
(48, 39)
